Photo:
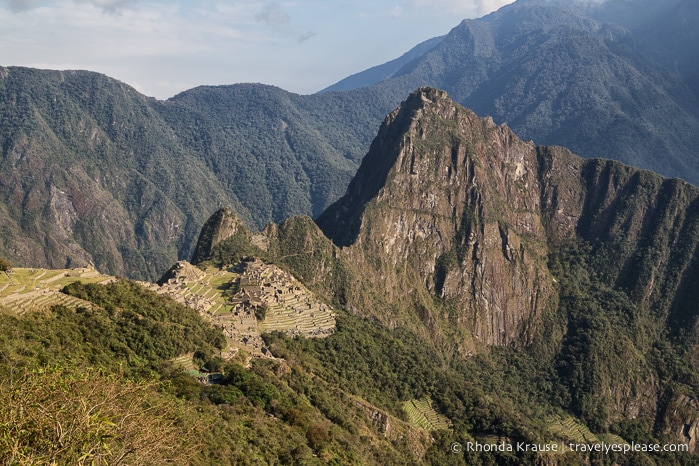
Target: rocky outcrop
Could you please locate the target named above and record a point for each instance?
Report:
(681, 421)
(222, 225)
(448, 203)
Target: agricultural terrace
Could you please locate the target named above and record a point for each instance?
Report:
(25, 290)
(249, 299)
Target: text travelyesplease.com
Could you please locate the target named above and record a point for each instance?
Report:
(562, 447)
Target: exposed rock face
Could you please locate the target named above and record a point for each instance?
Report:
(681, 419)
(450, 202)
(648, 225)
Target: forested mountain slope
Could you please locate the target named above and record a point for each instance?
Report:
(94, 172)
(90, 173)
(280, 153)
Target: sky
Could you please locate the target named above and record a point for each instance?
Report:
(162, 47)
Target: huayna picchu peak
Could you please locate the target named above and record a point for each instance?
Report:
(471, 237)
(447, 205)
(462, 207)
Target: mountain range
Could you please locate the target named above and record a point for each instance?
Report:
(469, 288)
(593, 78)
(94, 172)
(447, 250)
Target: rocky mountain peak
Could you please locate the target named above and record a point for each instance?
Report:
(449, 200)
(220, 226)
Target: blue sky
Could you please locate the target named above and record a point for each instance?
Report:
(162, 48)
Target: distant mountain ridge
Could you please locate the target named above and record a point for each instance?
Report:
(92, 172)
(379, 73)
(575, 74)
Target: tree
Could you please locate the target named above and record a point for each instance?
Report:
(5, 265)
(261, 311)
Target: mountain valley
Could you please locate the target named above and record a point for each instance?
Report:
(375, 274)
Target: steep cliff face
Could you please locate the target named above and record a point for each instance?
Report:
(645, 226)
(448, 203)
(680, 421)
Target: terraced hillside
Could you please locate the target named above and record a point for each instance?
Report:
(569, 429)
(247, 300)
(421, 414)
(233, 299)
(25, 290)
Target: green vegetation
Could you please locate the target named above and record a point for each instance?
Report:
(317, 405)
(611, 344)
(126, 329)
(292, 154)
(4, 265)
(116, 367)
(85, 417)
(136, 178)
